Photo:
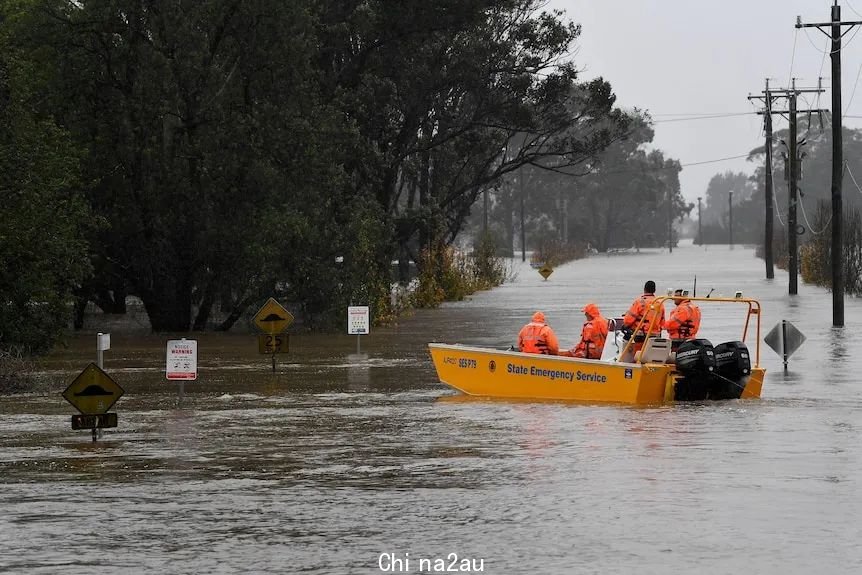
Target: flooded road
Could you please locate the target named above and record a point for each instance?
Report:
(343, 463)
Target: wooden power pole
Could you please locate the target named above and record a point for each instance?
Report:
(835, 34)
(770, 95)
(767, 192)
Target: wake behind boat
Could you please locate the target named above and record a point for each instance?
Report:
(695, 370)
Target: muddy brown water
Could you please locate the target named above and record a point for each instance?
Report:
(345, 463)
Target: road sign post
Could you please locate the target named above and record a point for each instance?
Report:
(272, 319)
(784, 339)
(358, 322)
(103, 343)
(93, 393)
(181, 362)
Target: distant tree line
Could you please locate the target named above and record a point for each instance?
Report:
(625, 196)
(203, 155)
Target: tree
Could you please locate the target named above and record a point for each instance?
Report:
(43, 218)
(208, 154)
(439, 89)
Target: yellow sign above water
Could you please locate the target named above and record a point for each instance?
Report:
(93, 391)
(277, 343)
(546, 271)
(272, 317)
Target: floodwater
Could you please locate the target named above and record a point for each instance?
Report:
(344, 463)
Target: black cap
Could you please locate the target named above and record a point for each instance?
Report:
(649, 287)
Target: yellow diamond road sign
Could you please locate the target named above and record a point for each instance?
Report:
(272, 317)
(546, 271)
(93, 391)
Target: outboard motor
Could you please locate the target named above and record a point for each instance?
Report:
(695, 357)
(695, 362)
(732, 368)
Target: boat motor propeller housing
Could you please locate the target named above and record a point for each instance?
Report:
(695, 362)
(732, 368)
(695, 357)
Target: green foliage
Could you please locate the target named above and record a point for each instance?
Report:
(815, 255)
(555, 253)
(19, 374)
(490, 270)
(233, 149)
(43, 219)
(433, 263)
(447, 274)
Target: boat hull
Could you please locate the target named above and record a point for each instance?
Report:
(509, 374)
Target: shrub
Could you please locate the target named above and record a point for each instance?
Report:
(17, 373)
(447, 274)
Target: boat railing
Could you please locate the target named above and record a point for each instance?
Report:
(645, 328)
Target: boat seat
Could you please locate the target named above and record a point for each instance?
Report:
(655, 350)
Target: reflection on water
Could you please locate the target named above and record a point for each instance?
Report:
(340, 457)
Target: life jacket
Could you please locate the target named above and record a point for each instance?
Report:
(538, 338)
(684, 321)
(643, 307)
(593, 336)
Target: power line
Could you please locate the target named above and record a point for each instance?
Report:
(706, 117)
(642, 170)
(716, 160)
(697, 113)
(805, 217)
(847, 167)
(830, 52)
(855, 84)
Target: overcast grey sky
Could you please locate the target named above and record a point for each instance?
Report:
(680, 59)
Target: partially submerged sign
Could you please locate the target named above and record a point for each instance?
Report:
(546, 271)
(784, 339)
(272, 317)
(97, 421)
(93, 392)
(278, 343)
(182, 359)
(358, 320)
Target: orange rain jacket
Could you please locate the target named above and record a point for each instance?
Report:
(684, 321)
(593, 334)
(538, 337)
(643, 307)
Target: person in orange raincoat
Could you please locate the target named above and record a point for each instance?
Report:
(538, 337)
(593, 335)
(644, 307)
(684, 320)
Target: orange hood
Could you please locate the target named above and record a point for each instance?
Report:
(539, 317)
(591, 310)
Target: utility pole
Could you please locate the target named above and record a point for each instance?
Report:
(792, 236)
(669, 220)
(767, 227)
(699, 227)
(565, 220)
(835, 25)
(769, 95)
(485, 211)
(767, 100)
(523, 232)
(730, 218)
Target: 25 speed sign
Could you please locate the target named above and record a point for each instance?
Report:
(278, 343)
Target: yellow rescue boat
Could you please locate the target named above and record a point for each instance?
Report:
(661, 371)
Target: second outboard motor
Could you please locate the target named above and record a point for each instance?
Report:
(695, 362)
(732, 368)
(695, 357)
